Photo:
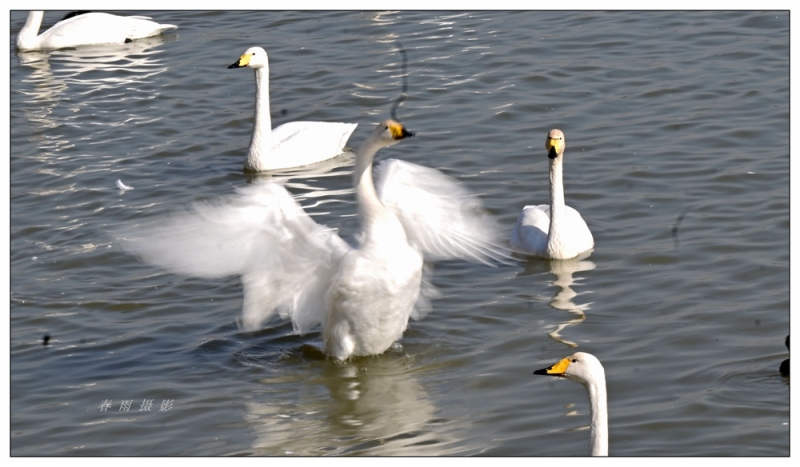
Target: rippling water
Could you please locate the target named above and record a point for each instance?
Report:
(677, 128)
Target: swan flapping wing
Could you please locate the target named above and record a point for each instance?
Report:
(441, 218)
(285, 259)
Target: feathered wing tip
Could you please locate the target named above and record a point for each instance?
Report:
(427, 293)
(261, 234)
(440, 216)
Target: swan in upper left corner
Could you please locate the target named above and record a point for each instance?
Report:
(293, 144)
(86, 29)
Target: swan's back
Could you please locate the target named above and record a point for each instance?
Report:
(303, 143)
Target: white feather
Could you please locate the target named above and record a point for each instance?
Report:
(362, 297)
(86, 29)
(123, 186)
(292, 144)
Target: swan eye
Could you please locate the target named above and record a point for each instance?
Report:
(574, 360)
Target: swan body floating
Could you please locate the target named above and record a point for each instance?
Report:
(292, 144)
(556, 230)
(86, 29)
(586, 369)
(361, 296)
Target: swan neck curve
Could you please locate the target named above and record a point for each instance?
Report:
(370, 207)
(599, 408)
(262, 130)
(28, 35)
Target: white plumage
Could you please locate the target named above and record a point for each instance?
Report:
(292, 144)
(361, 297)
(86, 29)
(586, 369)
(556, 230)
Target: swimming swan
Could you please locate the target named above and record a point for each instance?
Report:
(86, 29)
(552, 231)
(361, 296)
(586, 369)
(292, 144)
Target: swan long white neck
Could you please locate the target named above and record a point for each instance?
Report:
(599, 407)
(370, 208)
(262, 130)
(557, 206)
(28, 35)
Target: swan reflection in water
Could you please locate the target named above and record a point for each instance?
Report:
(564, 270)
(370, 406)
(66, 86)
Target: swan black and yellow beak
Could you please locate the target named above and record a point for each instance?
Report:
(398, 131)
(559, 369)
(553, 147)
(242, 62)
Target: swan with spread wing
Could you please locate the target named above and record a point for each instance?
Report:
(363, 296)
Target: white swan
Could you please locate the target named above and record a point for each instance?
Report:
(586, 369)
(86, 29)
(292, 144)
(556, 230)
(362, 297)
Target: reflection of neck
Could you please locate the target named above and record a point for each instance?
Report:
(27, 35)
(262, 130)
(598, 405)
(563, 298)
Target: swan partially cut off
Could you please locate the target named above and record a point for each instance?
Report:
(86, 29)
(586, 369)
(292, 144)
(556, 230)
(362, 297)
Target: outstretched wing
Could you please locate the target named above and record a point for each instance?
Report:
(285, 259)
(440, 216)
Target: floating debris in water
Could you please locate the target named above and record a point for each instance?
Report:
(123, 186)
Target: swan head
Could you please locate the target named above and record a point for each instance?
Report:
(555, 143)
(254, 57)
(580, 367)
(390, 132)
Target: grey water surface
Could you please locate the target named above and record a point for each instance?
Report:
(677, 129)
